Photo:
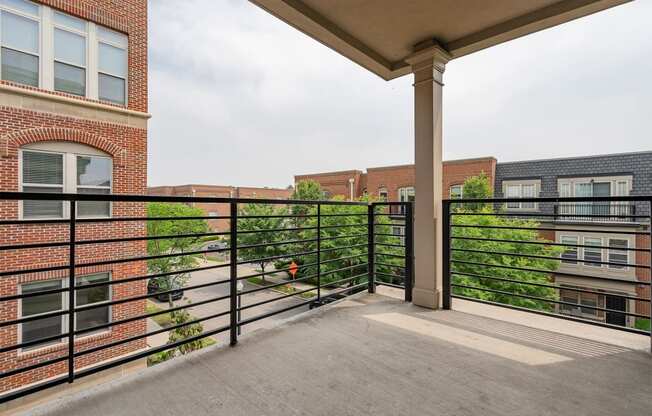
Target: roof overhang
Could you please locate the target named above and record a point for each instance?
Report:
(383, 35)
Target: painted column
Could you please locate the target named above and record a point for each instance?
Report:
(428, 67)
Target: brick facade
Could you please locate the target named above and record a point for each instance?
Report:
(219, 191)
(392, 178)
(35, 119)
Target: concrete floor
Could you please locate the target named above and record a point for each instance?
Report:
(374, 355)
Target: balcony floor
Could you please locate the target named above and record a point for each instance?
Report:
(374, 355)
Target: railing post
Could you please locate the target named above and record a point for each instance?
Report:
(371, 274)
(233, 284)
(649, 244)
(318, 253)
(71, 291)
(446, 255)
(409, 251)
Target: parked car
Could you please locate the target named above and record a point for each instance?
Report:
(156, 285)
(218, 245)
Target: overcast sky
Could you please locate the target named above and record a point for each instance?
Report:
(240, 98)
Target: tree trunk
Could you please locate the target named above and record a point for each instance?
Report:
(262, 269)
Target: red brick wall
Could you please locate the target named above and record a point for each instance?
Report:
(128, 148)
(643, 275)
(395, 177)
(126, 16)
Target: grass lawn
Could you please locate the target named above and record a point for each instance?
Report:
(164, 319)
(287, 289)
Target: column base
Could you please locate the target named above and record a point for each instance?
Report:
(426, 298)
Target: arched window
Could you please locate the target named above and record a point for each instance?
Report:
(64, 167)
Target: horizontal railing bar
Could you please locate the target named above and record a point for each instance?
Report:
(147, 296)
(342, 258)
(327, 250)
(394, 285)
(630, 198)
(158, 256)
(520, 282)
(30, 367)
(402, 225)
(530, 214)
(34, 245)
(553, 315)
(278, 243)
(149, 351)
(127, 219)
(389, 255)
(35, 221)
(505, 227)
(339, 237)
(33, 294)
(40, 196)
(28, 344)
(280, 256)
(558, 302)
(274, 230)
(343, 269)
(546, 243)
(149, 315)
(556, 272)
(390, 203)
(345, 215)
(147, 238)
(361, 225)
(287, 269)
(389, 235)
(242, 217)
(393, 276)
(272, 313)
(536, 256)
(272, 286)
(379, 214)
(266, 301)
(148, 334)
(35, 270)
(149, 276)
(390, 245)
(33, 318)
(389, 265)
(346, 289)
(346, 279)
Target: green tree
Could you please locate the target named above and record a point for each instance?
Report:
(252, 232)
(173, 245)
(464, 273)
(308, 190)
(180, 334)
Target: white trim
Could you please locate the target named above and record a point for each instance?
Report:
(520, 183)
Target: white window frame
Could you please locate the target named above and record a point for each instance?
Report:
(64, 317)
(39, 19)
(69, 176)
(117, 45)
(625, 251)
(461, 192)
(576, 239)
(46, 55)
(519, 184)
(85, 35)
(584, 242)
(383, 191)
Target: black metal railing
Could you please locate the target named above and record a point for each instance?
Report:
(595, 212)
(323, 250)
(521, 261)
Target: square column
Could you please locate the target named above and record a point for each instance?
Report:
(428, 67)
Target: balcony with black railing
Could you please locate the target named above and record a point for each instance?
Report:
(323, 324)
(619, 212)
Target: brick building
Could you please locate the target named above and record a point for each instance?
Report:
(396, 183)
(73, 118)
(220, 191)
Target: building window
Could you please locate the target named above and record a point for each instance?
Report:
(382, 194)
(76, 57)
(48, 303)
(522, 190)
(69, 54)
(585, 303)
(570, 253)
(456, 191)
(618, 254)
(593, 254)
(39, 305)
(112, 64)
(406, 194)
(212, 214)
(59, 171)
(20, 39)
(96, 295)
